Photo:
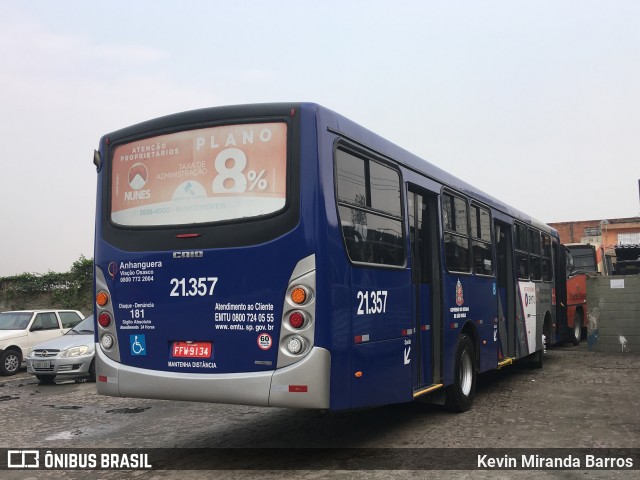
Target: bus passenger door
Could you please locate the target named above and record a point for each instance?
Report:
(425, 266)
(506, 292)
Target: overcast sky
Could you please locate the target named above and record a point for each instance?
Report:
(535, 102)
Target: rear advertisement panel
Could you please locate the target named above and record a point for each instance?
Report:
(198, 176)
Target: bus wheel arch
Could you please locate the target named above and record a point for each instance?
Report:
(536, 359)
(469, 329)
(460, 394)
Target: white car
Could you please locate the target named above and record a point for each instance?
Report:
(21, 330)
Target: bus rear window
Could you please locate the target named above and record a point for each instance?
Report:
(207, 175)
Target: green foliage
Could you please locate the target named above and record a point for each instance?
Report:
(72, 289)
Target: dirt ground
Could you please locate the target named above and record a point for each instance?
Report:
(578, 400)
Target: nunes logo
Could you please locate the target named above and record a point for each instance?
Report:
(138, 176)
(23, 459)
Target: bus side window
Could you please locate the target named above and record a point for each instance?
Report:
(535, 250)
(370, 210)
(354, 242)
(522, 251)
(480, 220)
(456, 252)
(547, 264)
(456, 236)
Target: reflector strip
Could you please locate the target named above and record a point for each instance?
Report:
(298, 389)
(361, 338)
(505, 362)
(105, 379)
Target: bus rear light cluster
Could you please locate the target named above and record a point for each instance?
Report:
(297, 332)
(105, 317)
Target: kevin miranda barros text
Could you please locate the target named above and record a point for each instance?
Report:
(568, 462)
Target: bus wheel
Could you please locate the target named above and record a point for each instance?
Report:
(577, 328)
(460, 394)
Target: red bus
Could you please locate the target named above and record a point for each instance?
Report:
(581, 261)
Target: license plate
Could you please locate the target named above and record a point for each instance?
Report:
(191, 350)
(42, 364)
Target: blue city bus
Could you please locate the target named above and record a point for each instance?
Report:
(282, 255)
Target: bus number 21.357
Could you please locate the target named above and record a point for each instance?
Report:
(193, 287)
(372, 302)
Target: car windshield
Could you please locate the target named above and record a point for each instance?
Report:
(14, 320)
(85, 326)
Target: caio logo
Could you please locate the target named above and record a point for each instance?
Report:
(189, 254)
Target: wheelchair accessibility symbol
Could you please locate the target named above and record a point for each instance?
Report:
(138, 345)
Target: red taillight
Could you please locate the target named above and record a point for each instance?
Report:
(296, 320)
(104, 320)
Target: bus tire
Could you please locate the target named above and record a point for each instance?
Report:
(576, 334)
(459, 396)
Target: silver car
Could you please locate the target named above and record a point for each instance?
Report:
(71, 355)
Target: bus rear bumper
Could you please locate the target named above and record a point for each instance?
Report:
(304, 384)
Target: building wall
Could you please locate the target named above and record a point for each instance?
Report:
(38, 302)
(614, 313)
(600, 232)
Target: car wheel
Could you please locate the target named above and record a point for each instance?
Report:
(92, 370)
(10, 361)
(460, 394)
(46, 379)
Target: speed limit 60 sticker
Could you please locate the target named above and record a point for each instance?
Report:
(264, 341)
